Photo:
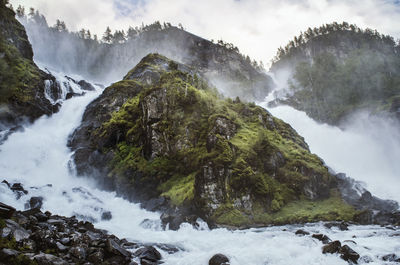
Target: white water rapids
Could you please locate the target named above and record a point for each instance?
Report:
(39, 156)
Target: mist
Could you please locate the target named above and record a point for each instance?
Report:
(257, 27)
(366, 149)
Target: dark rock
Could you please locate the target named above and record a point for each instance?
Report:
(366, 259)
(48, 259)
(97, 257)
(301, 232)
(348, 254)
(219, 259)
(321, 237)
(61, 247)
(78, 252)
(343, 226)
(115, 248)
(7, 253)
(148, 253)
(72, 94)
(86, 86)
(144, 261)
(18, 187)
(391, 257)
(332, 247)
(105, 216)
(170, 249)
(36, 202)
(155, 204)
(6, 182)
(350, 241)
(6, 211)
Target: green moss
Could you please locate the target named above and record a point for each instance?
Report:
(18, 76)
(2, 223)
(179, 189)
(8, 243)
(303, 210)
(228, 215)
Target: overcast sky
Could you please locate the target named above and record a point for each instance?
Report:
(257, 27)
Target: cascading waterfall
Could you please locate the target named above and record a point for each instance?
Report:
(38, 156)
(366, 149)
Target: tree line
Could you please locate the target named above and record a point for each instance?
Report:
(325, 29)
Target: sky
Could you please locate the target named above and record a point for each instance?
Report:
(257, 27)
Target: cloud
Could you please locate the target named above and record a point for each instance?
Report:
(257, 27)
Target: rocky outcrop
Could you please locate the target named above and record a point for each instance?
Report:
(34, 237)
(372, 210)
(163, 132)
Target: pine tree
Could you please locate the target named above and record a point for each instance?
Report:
(107, 36)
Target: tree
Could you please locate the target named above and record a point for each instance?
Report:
(20, 11)
(107, 36)
(88, 35)
(119, 36)
(60, 26)
(82, 34)
(132, 33)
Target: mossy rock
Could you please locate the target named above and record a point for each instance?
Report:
(21, 81)
(176, 137)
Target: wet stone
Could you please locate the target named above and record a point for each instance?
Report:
(321, 237)
(348, 254)
(301, 232)
(332, 247)
(219, 259)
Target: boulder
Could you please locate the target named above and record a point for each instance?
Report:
(36, 202)
(321, 237)
(7, 253)
(219, 259)
(6, 211)
(48, 259)
(332, 247)
(105, 216)
(116, 249)
(147, 253)
(391, 257)
(348, 254)
(301, 232)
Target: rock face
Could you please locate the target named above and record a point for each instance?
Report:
(33, 237)
(163, 132)
(21, 81)
(338, 69)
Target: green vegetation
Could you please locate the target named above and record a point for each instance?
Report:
(339, 68)
(178, 138)
(17, 74)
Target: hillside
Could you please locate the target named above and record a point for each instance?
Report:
(107, 60)
(163, 133)
(338, 69)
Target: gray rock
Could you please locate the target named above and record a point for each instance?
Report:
(48, 259)
(20, 234)
(116, 249)
(219, 259)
